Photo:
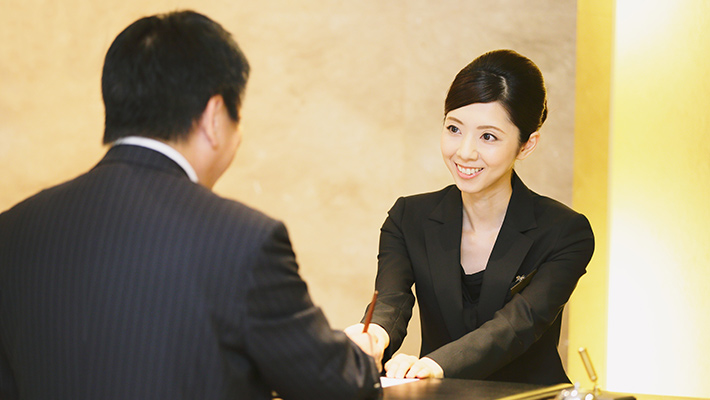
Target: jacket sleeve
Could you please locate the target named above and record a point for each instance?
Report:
(290, 340)
(394, 281)
(529, 313)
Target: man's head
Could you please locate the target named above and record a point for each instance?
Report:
(161, 71)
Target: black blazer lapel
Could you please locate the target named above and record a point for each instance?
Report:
(507, 256)
(509, 251)
(443, 246)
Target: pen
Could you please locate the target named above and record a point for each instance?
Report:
(368, 317)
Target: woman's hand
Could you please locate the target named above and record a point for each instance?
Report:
(398, 366)
(406, 366)
(373, 343)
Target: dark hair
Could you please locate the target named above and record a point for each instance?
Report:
(161, 71)
(509, 78)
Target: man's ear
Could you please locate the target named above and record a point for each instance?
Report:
(528, 146)
(208, 124)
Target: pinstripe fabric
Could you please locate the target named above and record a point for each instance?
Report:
(131, 282)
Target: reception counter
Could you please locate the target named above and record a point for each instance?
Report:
(455, 389)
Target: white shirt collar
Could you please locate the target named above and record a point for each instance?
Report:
(161, 148)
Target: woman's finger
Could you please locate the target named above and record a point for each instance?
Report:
(398, 366)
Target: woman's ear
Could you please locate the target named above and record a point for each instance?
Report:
(528, 146)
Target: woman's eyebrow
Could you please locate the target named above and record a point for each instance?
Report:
(483, 127)
(480, 127)
(458, 121)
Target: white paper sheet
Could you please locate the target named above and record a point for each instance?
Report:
(386, 382)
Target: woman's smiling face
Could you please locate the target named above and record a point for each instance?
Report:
(479, 145)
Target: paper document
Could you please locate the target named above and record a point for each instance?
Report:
(386, 382)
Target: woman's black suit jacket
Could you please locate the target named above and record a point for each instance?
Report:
(517, 334)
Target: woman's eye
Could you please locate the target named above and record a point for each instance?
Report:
(453, 129)
(488, 137)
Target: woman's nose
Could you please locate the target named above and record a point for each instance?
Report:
(468, 150)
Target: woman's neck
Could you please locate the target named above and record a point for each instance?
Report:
(486, 212)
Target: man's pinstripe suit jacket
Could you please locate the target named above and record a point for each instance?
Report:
(132, 282)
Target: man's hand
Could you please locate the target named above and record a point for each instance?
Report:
(373, 343)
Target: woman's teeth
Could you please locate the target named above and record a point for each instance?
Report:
(468, 171)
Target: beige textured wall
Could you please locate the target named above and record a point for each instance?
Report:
(342, 115)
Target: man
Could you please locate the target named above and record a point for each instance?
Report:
(136, 281)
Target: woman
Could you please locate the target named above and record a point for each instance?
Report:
(493, 262)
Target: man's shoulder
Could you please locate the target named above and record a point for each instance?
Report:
(241, 212)
(208, 207)
(42, 199)
(176, 200)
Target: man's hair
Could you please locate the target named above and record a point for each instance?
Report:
(161, 71)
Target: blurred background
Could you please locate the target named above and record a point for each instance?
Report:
(343, 114)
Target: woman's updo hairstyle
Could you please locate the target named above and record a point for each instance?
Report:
(509, 78)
